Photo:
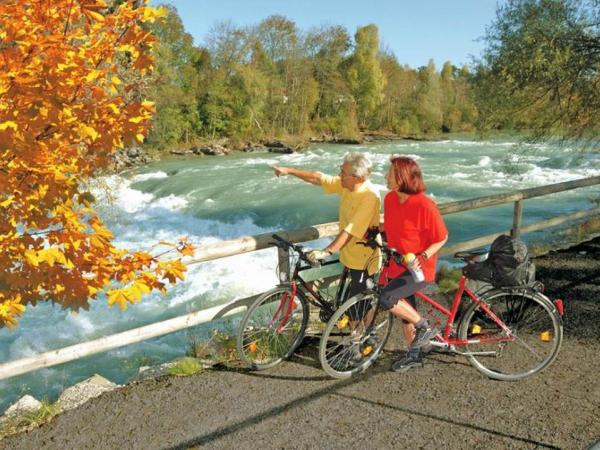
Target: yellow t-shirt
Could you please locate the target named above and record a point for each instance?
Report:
(359, 211)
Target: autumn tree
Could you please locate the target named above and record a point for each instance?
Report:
(65, 105)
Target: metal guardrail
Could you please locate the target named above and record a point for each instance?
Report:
(252, 243)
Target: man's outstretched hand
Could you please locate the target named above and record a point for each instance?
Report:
(280, 171)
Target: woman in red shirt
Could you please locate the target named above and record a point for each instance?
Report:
(412, 224)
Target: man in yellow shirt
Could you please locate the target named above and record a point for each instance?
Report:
(358, 211)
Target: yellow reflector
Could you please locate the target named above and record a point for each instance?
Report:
(367, 350)
(545, 336)
(252, 347)
(476, 329)
(343, 322)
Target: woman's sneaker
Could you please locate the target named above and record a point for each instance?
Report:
(409, 361)
(423, 335)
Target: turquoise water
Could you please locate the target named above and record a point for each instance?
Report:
(216, 198)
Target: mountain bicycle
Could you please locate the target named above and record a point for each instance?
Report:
(506, 333)
(275, 324)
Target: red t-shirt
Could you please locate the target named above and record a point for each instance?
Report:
(411, 227)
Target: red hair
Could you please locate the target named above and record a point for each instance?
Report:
(408, 175)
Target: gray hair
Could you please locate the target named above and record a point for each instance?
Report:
(360, 164)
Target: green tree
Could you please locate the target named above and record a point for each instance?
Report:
(176, 83)
(429, 99)
(541, 67)
(398, 110)
(364, 74)
(335, 111)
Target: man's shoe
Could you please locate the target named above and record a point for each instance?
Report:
(422, 336)
(411, 360)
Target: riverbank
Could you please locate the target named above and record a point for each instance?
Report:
(448, 404)
(136, 156)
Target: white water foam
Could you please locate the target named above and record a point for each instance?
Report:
(484, 161)
(149, 176)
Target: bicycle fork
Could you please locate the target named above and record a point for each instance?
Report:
(286, 310)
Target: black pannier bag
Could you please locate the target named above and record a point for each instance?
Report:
(507, 264)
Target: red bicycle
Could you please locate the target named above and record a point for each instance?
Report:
(507, 333)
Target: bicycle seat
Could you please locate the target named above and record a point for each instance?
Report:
(472, 256)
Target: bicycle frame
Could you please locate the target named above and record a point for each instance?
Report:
(314, 298)
(451, 315)
(317, 299)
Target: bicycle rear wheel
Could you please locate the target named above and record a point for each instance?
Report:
(272, 328)
(531, 318)
(354, 336)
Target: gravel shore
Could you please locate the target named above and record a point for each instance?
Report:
(447, 404)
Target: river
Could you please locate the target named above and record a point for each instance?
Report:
(217, 198)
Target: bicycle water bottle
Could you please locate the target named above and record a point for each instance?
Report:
(417, 274)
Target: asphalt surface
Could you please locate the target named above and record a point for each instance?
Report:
(447, 404)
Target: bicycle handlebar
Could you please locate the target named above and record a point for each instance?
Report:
(286, 245)
(389, 251)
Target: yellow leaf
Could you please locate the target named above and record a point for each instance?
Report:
(113, 108)
(126, 48)
(139, 137)
(32, 258)
(146, 104)
(139, 288)
(115, 81)
(92, 75)
(137, 119)
(119, 297)
(86, 131)
(96, 16)
(151, 14)
(8, 124)
(58, 288)
(42, 190)
(7, 202)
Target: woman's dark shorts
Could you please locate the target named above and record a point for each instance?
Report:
(403, 286)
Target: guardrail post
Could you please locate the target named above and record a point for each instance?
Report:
(283, 264)
(517, 216)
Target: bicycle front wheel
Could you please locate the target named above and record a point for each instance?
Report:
(272, 328)
(534, 323)
(354, 336)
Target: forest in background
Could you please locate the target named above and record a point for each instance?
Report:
(538, 75)
(273, 80)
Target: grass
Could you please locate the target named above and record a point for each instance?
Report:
(566, 237)
(219, 349)
(185, 367)
(29, 420)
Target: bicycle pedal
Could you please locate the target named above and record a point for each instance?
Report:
(367, 350)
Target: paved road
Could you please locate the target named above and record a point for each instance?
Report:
(447, 404)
